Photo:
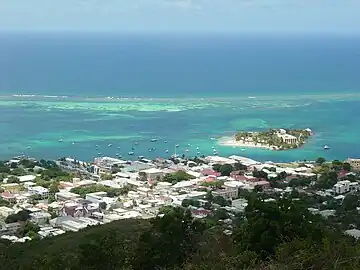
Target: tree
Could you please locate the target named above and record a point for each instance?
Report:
(347, 166)
(260, 174)
(22, 215)
(53, 188)
(13, 179)
(51, 199)
(320, 160)
(102, 206)
(226, 169)
(258, 189)
(240, 167)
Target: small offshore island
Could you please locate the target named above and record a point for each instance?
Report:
(272, 139)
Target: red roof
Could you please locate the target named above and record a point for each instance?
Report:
(7, 195)
(210, 172)
(342, 174)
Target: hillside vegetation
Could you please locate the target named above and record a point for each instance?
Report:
(268, 235)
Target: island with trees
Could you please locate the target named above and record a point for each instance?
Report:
(272, 139)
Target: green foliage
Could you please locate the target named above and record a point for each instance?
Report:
(188, 202)
(13, 179)
(22, 215)
(111, 192)
(300, 182)
(260, 174)
(177, 177)
(225, 169)
(240, 167)
(19, 172)
(221, 201)
(28, 227)
(327, 180)
(214, 184)
(347, 166)
(320, 160)
(271, 235)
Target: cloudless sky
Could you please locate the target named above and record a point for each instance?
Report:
(222, 16)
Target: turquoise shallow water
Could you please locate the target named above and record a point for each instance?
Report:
(83, 123)
(298, 81)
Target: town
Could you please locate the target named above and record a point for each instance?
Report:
(41, 198)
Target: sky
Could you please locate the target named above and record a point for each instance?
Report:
(189, 16)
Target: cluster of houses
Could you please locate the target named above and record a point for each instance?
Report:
(148, 191)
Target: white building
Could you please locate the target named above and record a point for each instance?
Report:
(342, 187)
(40, 217)
(6, 211)
(96, 197)
(227, 193)
(220, 160)
(26, 178)
(64, 195)
(153, 173)
(288, 139)
(38, 190)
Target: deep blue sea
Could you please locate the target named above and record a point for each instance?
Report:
(89, 90)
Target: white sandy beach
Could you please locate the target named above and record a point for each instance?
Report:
(230, 141)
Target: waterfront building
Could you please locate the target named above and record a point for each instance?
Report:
(354, 163)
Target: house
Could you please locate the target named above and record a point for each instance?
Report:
(27, 178)
(153, 174)
(210, 172)
(287, 138)
(354, 163)
(263, 184)
(227, 193)
(354, 186)
(6, 211)
(64, 195)
(40, 218)
(38, 190)
(81, 208)
(220, 160)
(339, 188)
(12, 187)
(9, 228)
(96, 197)
(354, 233)
(7, 196)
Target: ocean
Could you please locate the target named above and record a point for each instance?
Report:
(92, 95)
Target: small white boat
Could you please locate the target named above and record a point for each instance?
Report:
(177, 145)
(96, 146)
(109, 145)
(153, 140)
(166, 151)
(61, 140)
(326, 147)
(118, 147)
(117, 154)
(28, 147)
(99, 154)
(73, 143)
(213, 147)
(165, 141)
(212, 138)
(197, 148)
(243, 149)
(131, 153)
(141, 157)
(189, 144)
(198, 153)
(187, 150)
